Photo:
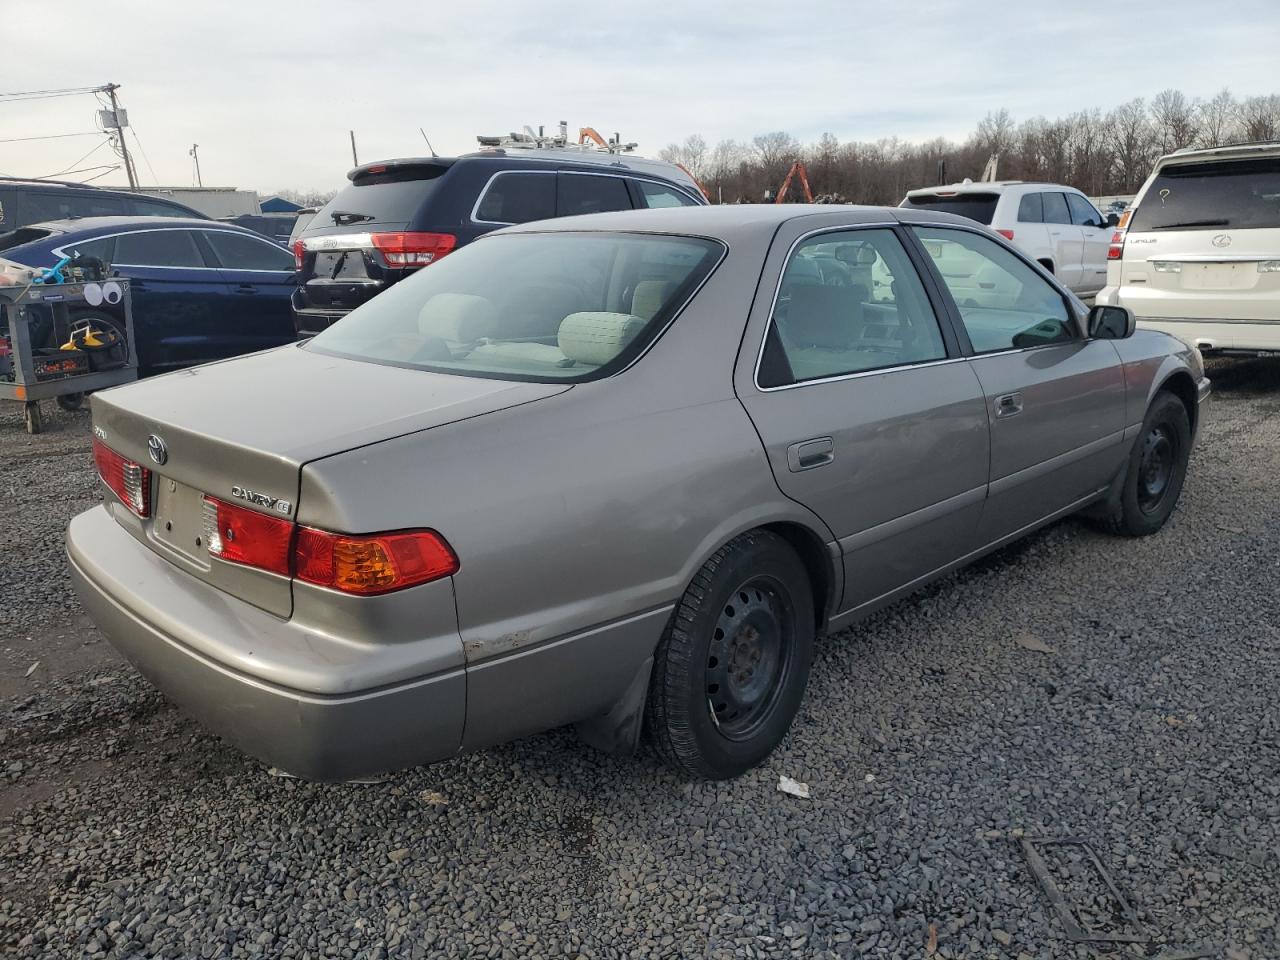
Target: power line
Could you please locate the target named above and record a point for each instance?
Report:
(56, 92)
(143, 151)
(101, 175)
(51, 136)
(107, 167)
(92, 150)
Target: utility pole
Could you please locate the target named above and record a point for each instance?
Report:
(354, 159)
(110, 89)
(195, 147)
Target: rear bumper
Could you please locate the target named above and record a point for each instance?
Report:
(136, 598)
(308, 321)
(1222, 336)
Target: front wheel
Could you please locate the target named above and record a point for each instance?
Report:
(730, 671)
(1156, 471)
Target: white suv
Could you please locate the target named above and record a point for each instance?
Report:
(1199, 255)
(1053, 224)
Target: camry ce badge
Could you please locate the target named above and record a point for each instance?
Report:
(262, 500)
(1221, 240)
(158, 450)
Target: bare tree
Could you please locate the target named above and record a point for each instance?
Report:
(1259, 118)
(692, 155)
(1217, 116)
(776, 152)
(1175, 120)
(1132, 142)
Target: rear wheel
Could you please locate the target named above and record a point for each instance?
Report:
(1156, 471)
(730, 671)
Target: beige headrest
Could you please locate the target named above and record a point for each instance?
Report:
(460, 317)
(649, 297)
(597, 337)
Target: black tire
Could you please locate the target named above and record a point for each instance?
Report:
(1156, 470)
(731, 668)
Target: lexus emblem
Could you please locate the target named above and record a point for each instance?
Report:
(1221, 240)
(156, 447)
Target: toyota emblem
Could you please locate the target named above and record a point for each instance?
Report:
(1221, 240)
(156, 447)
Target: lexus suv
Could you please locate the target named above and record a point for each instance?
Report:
(1199, 255)
(396, 216)
(1056, 226)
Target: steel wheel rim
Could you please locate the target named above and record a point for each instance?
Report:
(1156, 467)
(749, 657)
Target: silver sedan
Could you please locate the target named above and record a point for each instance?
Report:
(619, 471)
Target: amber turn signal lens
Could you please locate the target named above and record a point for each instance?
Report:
(377, 563)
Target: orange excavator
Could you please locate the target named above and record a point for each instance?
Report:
(797, 169)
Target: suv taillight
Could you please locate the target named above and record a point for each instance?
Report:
(129, 481)
(1007, 234)
(364, 564)
(299, 251)
(412, 249)
(1115, 250)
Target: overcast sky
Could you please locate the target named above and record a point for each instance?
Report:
(270, 89)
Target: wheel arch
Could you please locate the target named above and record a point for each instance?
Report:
(1180, 384)
(818, 564)
(1047, 263)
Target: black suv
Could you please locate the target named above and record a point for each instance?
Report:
(24, 202)
(399, 215)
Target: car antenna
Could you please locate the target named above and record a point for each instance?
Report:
(429, 146)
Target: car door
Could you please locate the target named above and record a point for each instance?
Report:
(261, 278)
(178, 297)
(1095, 237)
(1055, 399)
(1064, 237)
(866, 412)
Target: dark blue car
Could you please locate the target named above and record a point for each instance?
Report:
(202, 290)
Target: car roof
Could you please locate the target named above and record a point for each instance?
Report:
(998, 186)
(95, 224)
(1234, 151)
(726, 221)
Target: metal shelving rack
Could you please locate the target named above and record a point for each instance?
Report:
(23, 384)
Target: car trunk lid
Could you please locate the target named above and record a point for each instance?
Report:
(240, 432)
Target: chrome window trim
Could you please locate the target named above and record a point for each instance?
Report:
(59, 251)
(475, 209)
(857, 374)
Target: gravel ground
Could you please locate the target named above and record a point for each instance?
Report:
(1120, 692)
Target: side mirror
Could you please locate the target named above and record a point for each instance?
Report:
(1111, 323)
(1113, 219)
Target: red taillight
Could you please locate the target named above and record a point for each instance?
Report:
(239, 535)
(412, 249)
(374, 563)
(1007, 234)
(299, 251)
(1116, 248)
(129, 481)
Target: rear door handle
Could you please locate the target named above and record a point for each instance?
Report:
(1009, 405)
(808, 454)
(246, 288)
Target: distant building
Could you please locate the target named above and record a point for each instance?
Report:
(213, 202)
(278, 204)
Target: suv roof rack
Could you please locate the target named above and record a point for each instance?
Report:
(588, 141)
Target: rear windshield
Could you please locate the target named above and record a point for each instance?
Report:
(1206, 196)
(975, 206)
(15, 238)
(390, 197)
(552, 307)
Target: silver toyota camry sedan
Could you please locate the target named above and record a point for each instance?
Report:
(620, 471)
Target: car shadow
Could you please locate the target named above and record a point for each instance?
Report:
(1248, 377)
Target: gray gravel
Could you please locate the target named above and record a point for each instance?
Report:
(933, 736)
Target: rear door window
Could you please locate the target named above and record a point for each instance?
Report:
(654, 195)
(158, 248)
(1055, 208)
(1082, 211)
(235, 251)
(518, 198)
(1031, 209)
(589, 193)
(42, 206)
(1236, 194)
(976, 206)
